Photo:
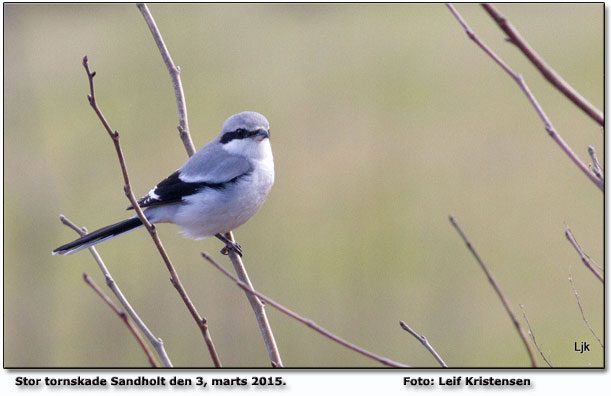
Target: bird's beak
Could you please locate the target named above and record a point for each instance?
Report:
(262, 134)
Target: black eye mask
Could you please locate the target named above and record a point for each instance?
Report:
(239, 133)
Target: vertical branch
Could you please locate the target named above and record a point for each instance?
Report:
(498, 291)
(183, 121)
(533, 101)
(424, 342)
(123, 317)
(532, 335)
(156, 342)
(583, 315)
(174, 279)
(550, 74)
(258, 308)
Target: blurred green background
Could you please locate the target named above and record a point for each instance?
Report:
(385, 119)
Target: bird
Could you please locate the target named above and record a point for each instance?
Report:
(215, 191)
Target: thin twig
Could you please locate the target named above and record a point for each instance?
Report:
(248, 289)
(498, 291)
(424, 342)
(596, 168)
(174, 279)
(550, 74)
(183, 121)
(258, 308)
(584, 257)
(532, 335)
(531, 98)
(156, 342)
(583, 315)
(123, 317)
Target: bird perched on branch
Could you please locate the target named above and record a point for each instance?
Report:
(217, 190)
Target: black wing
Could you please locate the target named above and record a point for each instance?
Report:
(173, 190)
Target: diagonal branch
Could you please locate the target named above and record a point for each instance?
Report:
(596, 168)
(550, 74)
(584, 257)
(531, 98)
(248, 289)
(583, 315)
(183, 121)
(258, 308)
(532, 335)
(156, 342)
(174, 279)
(498, 291)
(123, 317)
(424, 342)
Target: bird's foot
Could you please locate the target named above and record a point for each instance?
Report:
(229, 246)
(232, 246)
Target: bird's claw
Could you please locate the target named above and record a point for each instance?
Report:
(232, 246)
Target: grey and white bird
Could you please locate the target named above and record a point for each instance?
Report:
(217, 190)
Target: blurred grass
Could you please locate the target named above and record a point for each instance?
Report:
(384, 120)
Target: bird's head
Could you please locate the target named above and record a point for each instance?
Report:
(246, 133)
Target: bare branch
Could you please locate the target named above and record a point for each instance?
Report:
(183, 121)
(522, 84)
(596, 168)
(123, 317)
(532, 335)
(248, 289)
(258, 308)
(583, 315)
(156, 342)
(584, 257)
(115, 139)
(424, 342)
(498, 291)
(550, 74)
(174, 279)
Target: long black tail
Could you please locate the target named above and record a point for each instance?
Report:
(98, 236)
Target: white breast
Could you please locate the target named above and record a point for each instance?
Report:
(219, 211)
